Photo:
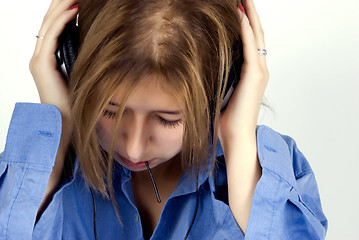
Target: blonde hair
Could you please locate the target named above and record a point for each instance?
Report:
(186, 43)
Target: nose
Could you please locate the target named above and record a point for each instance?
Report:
(136, 138)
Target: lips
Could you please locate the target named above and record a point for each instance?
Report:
(131, 165)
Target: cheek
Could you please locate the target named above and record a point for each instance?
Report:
(104, 135)
(170, 139)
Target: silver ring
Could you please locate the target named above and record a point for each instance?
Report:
(40, 37)
(262, 51)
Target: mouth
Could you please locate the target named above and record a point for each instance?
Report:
(134, 166)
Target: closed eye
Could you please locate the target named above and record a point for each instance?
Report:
(170, 124)
(109, 114)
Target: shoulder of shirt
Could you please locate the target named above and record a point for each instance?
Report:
(279, 154)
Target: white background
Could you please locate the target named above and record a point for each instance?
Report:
(313, 61)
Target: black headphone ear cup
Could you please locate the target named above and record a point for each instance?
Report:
(68, 48)
(234, 73)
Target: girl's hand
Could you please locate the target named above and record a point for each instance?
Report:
(237, 124)
(242, 111)
(49, 81)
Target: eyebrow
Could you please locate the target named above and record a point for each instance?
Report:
(157, 111)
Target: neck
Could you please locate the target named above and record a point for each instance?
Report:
(167, 176)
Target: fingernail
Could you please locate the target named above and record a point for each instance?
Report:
(241, 8)
(73, 7)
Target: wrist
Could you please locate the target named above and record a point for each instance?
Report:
(239, 137)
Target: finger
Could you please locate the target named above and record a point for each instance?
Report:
(54, 5)
(50, 42)
(257, 30)
(254, 22)
(56, 8)
(253, 62)
(250, 51)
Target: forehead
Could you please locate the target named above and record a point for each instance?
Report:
(150, 94)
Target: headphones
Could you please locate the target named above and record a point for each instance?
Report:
(68, 49)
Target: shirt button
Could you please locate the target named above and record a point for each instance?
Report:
(136, 217)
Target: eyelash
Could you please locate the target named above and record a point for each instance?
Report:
(170, 124)
(109, 114)
(164, 122)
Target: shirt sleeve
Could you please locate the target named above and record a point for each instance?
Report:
(25, 166)
(286, 202)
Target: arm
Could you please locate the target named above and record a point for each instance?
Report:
(50, 83)
(272, 191)
(242, 177)
(237, 125)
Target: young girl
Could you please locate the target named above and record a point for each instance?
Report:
(143, 113)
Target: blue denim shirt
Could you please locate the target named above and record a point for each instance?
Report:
(285, 205)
